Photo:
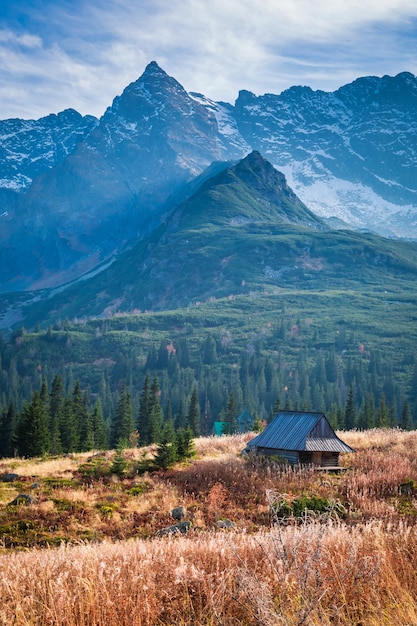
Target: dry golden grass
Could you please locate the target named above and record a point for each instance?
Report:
(362, 570)
(41, 468)
(215, 447)
(394, 440)
(314, 574)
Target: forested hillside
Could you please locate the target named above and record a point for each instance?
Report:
(350, 356)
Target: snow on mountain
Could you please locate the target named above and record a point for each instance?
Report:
(30, 147)
(88, 188)
(350, 154)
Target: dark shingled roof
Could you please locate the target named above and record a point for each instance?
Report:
(292, 430)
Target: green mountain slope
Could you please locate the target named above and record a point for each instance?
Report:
(242, 232)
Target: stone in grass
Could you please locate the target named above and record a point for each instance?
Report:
(225, 523)
(9, 478)
(179, 513)
(181, 527)
(22, 498)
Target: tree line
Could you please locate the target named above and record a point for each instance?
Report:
(91, 392)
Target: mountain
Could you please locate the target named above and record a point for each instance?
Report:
(104, 184)
(242, 232)
(30, 147)
(153, 138)
(350, 154)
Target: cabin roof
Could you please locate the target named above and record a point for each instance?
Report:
(292, 430)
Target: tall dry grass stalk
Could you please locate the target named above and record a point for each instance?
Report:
(314, 574)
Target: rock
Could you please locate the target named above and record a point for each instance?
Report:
(22, 498)
(225, 523)
(181, 527)
(9, 478)
(179, 513)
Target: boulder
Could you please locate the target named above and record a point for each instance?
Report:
(225, 523)
(9, 478)
(22, 498)
(179, 513)
(181, 527)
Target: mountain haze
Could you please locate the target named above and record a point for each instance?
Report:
(77, 191)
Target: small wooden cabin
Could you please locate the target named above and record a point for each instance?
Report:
(300, 437)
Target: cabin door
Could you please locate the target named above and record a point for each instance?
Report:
(316, 458)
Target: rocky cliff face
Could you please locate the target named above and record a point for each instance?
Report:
(350, 154)
(88, 188)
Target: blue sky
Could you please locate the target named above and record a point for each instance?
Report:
(56, 54)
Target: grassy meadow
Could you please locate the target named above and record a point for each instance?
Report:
(86, 550)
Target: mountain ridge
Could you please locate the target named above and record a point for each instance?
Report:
(337, 151)
(242, 232)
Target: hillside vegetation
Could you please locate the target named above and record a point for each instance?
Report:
(352, 561)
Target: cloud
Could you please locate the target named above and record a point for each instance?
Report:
(82, 53)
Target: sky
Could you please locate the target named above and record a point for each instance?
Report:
(59, 54)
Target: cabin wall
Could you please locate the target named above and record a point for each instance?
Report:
(290, 455)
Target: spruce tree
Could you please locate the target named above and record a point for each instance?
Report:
(350, 411)
(383, 419)
(33, 428)
(185, 443)
(99, 431)
(123, 424)
(193, 415)
(8, 419)
(167, 447)
(155, 412)
(69, 432)
(56, 402)
(142, 422)
(406, 417)
(231, 415)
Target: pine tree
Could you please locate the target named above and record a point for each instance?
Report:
(181, 417)
(231, 416)
(99, 431)
(155, 412)
(86, 426)
(68, 430)
(185, 443)
(56, 402)
(123, 424)
(383, 419)
(8, 419)
(142, 421)
(78, 413)
(209, 351)
(350, 411)
(33, 428)
(167, 447)
(406, 417)
(193, 415)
